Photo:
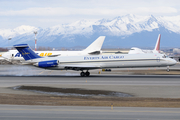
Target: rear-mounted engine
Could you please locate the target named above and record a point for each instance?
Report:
(44, 64)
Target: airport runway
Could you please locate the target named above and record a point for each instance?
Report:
(28, 70)
(18, 112)
(151, 86)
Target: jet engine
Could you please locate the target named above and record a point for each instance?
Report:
(44, 64)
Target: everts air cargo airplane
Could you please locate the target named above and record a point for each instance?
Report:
(86, 63)
(92, 49)
(135, 50)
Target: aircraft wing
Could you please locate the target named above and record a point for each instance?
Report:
(94, 52)
(80, 67)
(54, 55)
(174, 56)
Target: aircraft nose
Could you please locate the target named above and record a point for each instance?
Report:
(6, 55)
(173, 62)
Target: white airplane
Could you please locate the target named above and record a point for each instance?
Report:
(81, 63)
(93, 48)
(135, 50)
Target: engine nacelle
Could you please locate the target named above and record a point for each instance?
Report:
(44, 64)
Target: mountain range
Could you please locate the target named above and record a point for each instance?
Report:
(121, 32)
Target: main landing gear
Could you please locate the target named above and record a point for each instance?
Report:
(167, 69)
(83, 74)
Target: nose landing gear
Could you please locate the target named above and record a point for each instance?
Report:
(83, 74)
(167, 69)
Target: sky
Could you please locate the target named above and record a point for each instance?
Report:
(48, 13)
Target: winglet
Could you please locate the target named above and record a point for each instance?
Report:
(26, 52)
(96, 45)
(157, 47)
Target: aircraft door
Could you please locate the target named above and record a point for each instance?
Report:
(12, 57)
(158, 59)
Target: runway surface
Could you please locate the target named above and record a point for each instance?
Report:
(151, 86)
(16, 112)
(28, 70)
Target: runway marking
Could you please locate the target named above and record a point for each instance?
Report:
(129, 111)
(82, 118)
(41, 72)
(50, 72)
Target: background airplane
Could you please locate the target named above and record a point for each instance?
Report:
(81, 63)
(135, 50)
(92, 49)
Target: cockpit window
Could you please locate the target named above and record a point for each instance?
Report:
(164, 56)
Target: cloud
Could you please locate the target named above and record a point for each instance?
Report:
(62, 11)
(156, 10)
(36, 12)
(46, 13)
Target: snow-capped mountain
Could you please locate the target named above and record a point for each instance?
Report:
(122, 31)
(11, 33)
(129, 24)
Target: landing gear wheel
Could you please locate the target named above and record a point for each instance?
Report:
(168, 69)
(87, 73)
(82, 74)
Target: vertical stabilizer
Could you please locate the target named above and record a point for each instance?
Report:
(26, 52)
(96, 45)
(157, 47)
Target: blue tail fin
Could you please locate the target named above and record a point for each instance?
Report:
(26, 51)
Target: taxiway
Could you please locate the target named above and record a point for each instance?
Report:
(16, 112)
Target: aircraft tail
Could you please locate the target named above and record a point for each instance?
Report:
(157, 47)
(96, 45)
(26, 52)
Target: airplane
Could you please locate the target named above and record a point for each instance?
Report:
(93, 49)
(82, 63)
(135, 50)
